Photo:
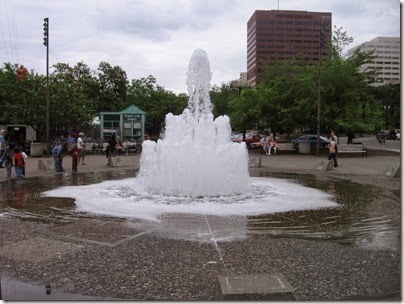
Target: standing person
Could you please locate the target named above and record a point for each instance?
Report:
(75, 154)
(336, 140)
(81, 147)
(9, 165)
(351, 137)
(3, 148)
(111, 148)
(24, 156)
(332, 152)
(58, 153)
(18, 162)
(125, 146)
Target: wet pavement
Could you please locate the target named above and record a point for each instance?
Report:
(350, 252)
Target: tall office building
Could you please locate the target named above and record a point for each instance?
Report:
(387, 61)
(275, 35)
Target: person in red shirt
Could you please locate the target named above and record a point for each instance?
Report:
(75, 153)
(18, 162)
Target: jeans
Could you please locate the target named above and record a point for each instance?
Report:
(18, 171)
(333, 156)
(58, 163)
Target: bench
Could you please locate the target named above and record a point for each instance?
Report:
(355, 149)
(283, 148)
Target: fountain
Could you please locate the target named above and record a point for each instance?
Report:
(195, 169)
(196, 157)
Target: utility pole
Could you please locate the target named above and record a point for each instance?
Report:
(46, 43)
(319, 87)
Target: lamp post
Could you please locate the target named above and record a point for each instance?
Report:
(387, 110)
(319, 87)
(46, 43)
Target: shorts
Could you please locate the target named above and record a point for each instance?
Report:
(82, 152)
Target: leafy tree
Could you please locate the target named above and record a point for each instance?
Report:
(245, 111)
(112, 87)
(155, 101)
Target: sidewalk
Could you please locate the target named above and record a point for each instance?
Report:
(292, 163)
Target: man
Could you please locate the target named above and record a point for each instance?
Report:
(80, 146)
(111, 148)
(58, 153)
(3, 147)
(265, 144)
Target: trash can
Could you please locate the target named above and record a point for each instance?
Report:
(37, 149)
(304, 147)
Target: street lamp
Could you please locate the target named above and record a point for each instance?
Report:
(322, 41)
(387, 110)
(46, 43)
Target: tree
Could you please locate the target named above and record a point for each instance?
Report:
(112, 87)
(245, 111)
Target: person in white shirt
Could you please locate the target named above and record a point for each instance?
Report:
(265, 144)
(81, 147)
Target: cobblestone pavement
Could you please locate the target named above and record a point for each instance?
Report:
(109, 258)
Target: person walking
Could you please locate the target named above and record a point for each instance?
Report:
(332, 152)
(81, 147)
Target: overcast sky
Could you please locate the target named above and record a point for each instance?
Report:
(158, 37)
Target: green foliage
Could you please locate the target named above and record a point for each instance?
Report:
(286, 100)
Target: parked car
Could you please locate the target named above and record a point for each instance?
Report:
(249, 138)
(390, 134)
(312, 139)
(398, 134)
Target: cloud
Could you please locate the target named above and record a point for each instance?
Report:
(158, 37)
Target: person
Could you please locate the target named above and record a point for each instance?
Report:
(81, 147)
(272, 145)
(111, 148)
(75, 154)
(351, 137)
(18, 162)
(3, 148)
(332, 152)
(265, 143)
(9, 165)
(126, 146)
(381, 138)
(58, 153)
(24, 157)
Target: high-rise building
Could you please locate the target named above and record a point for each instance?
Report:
(387, 61)
(275, 35)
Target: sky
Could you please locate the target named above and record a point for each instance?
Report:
(158, 37)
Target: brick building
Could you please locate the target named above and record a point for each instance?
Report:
(274, 35)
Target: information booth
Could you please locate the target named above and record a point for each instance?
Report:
(128, 124)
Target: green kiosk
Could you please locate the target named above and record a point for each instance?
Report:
(127, 124)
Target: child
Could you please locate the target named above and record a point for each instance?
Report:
(75, 153)
(18, 162)
(272, 145)
(9, 165)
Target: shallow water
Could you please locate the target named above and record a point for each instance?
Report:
(361, 217)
